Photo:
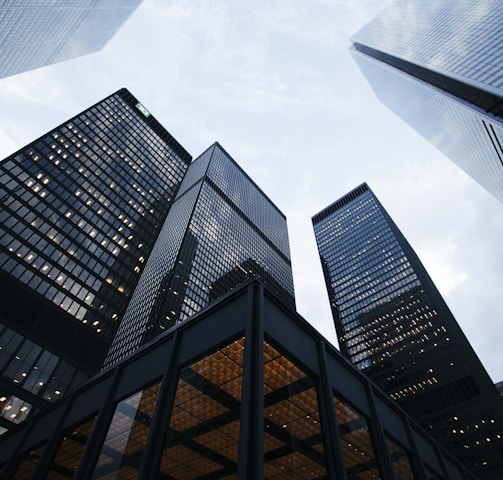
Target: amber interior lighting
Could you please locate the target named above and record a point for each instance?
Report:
(127, 435)
(293, 446)
(70, 450)
(203, 435)
(357, 447)
(400, 460)
(28, 463)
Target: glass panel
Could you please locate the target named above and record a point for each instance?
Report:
(13, 408)
(293, 446)
(431, 475)
(356, 443)
(28, 463)
(203, 435)
(125, 441)
(70, 451)
(400, 460)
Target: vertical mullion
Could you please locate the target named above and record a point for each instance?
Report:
(251, 432)
(417, 464)
(162, 415)
(100, 429)
(379, 438)
(330, 427)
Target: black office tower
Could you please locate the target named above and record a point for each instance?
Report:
(221, 230)
(393, 324)
(438, 66)
(81, 209)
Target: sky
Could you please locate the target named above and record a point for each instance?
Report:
(273, 82)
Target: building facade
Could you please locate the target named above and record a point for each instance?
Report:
(221, 230)
(394, 326)
(81, 209)
(35, 33)
(244, 389)
(438, 67)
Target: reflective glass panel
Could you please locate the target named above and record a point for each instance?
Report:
(28, 463)
(293, 446)
(203, 435)
(125, 441)
(356, 443)
(400, 460)
(431, 475)
(13, 408)
(70, 451)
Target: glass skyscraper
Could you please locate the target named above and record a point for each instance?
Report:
(35, 33)
(221, 230)
(81, 210)
(438, 66)
(393, 324)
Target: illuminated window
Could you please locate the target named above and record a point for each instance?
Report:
(127, 435)
(28, 463)
(356, 443)
(400, 460)
(71, 449)
(293, 446)
(203, 436)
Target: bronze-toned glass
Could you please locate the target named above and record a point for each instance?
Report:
(431, 475)
(127, 435)
(400, 460)
(70, 451)
(293, 445)
(203, 435)
(28, 463)
(357, 448)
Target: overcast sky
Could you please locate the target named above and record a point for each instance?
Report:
(273, 82)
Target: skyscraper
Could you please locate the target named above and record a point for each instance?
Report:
(221, 230)
(393, 324)
(81, 209)
(35, 33)
(438, 67)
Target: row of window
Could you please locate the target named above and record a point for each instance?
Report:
(203, 435)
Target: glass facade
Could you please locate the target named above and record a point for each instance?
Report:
(394, 326)
(34, 33)
(438, 68)
(127, 433)
(221, 231)
(81, 209)
(244, 389)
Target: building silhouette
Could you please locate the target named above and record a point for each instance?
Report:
(221, 230)
(438, 67)
(35, 33)
(394, 326)
(81, 209)
(246, 389)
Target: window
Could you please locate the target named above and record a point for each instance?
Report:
(127, 435)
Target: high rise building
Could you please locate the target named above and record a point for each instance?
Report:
(244, 389)
(81, 209)
(35, 33)
(221, 230)
(393, 324)
(438, 67)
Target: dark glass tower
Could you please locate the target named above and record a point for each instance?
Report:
(438, 66)
(394, 326)
(221, 230)
(81, 209)
(35, 33)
